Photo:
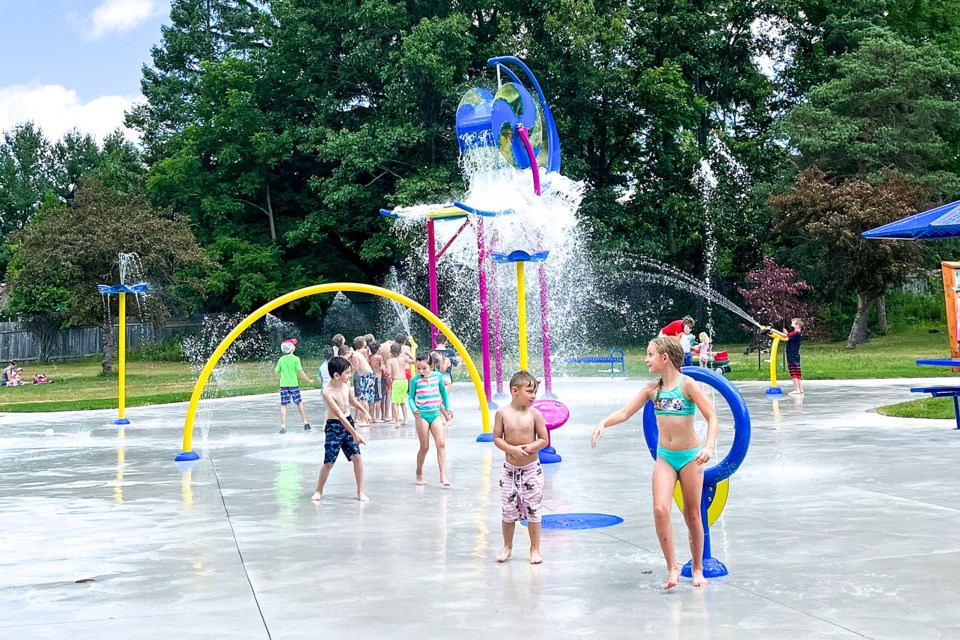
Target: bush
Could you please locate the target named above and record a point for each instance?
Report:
(907, 312)
(166, 351)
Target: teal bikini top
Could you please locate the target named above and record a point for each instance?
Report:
(673, 402)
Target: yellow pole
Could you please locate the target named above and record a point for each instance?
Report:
(122, 357)
(413, 354)
(773, 361)
(317, 290)
(522, 315)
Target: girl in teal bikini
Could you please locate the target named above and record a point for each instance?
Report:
(679, 454)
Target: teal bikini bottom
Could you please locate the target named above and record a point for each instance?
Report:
(677, 459)
(429, 416)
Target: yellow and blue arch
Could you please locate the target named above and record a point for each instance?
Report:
(351, 287)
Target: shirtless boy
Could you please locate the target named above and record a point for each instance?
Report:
(397, 370)
(520, 431)
(340, 431)
(364, 380)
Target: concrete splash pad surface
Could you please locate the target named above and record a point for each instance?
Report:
(840, 523)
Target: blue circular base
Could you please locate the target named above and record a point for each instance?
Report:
(187, 456)
(187, 466)
(493, 406)
(712, 568)
(485, 437)
(121, 421)
(548, 455)
(578, 521)
(550, 396)
(774, 391)
(501, 396)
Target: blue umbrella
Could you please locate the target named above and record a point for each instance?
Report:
(941, 222)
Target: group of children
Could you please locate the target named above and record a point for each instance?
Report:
(682, 330)
(520, 432)
(363, 377)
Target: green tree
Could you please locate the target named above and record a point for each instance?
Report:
(64, 252)
(26, 174)
(200, 31)
(833, 216)
(892, 105)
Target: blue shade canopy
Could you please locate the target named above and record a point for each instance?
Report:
(941, 222)
(519, 256)
(123, 288)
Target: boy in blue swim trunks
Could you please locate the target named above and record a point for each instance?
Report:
(290, 368)
(679, 454)
(340, 432)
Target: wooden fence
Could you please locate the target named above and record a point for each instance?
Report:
(17, 343)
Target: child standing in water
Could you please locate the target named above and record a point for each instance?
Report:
(520, 431)
(396, 369)
(340, 432)
(703, 355)
(793, 339)
(290, 368)
(679, 454)
(428, 401)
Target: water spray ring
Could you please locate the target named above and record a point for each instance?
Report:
(741, 424)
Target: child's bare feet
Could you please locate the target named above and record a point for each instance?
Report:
(317, 496)
(673, 577)
(535, 557)
(506, 553)
(698, 579)
(420, 482)
(362, 497)
(445, 482)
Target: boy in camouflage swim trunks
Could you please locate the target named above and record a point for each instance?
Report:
(340, 432)
(519, 431)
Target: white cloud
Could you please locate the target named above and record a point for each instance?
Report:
(117, 16)
(56, 110)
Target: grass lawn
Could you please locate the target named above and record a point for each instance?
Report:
(79, 385)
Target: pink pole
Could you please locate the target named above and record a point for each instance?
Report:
(497, 343)
(534, 167)
(432, 269)
(545, 326)
(484, 315)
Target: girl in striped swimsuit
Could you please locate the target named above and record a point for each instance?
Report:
(428, 401)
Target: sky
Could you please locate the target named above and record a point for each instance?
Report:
(74, 63)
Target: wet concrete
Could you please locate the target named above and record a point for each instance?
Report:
(840, 523)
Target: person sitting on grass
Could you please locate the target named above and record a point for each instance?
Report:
(12, 375)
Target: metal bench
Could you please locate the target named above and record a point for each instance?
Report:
(616, 357)
(943, 392)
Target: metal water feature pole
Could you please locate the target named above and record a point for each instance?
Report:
(122, 290)
(484, 313)
(520, 257)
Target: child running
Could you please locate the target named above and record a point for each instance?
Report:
(428, 401)
(290, 368)
(519, 431)
(340, 430)
(679, 454)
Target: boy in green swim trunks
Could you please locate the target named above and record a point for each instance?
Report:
(679, 454)
(396, 368)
